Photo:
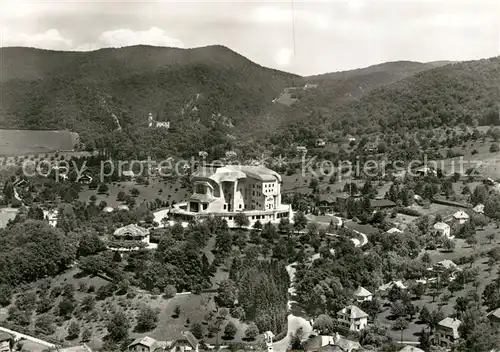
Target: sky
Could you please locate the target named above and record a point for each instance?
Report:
(302, 37)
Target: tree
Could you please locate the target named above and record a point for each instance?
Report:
(425, 315)
(170, 291)
(324, 324)
(230, 331)
(257, 225)
(147, 318)
(90, 243)
(197, 331)
(448, 245)
(400, 324)
(226, 293)
(135, 192)
(86, 335)
(118, 326)
(299, 221)
(120, 196)
(424, 340)
(494, 148)
(73, 330)
(66, 307)
(103, 188)
(177, 311)
(251, 332)
(241, 220)
(44, 324)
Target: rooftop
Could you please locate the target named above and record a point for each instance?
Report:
(353, 312)
(441, 226)
(394, 230)
(234, 172)
(131, 230)
(362, 292)
(410, 349)
(451, 323)
(461, 215)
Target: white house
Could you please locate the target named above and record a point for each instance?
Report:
(447, 332)
(352, 318)
(350, 138)
(461, 217)
(362, 294)
(479, 209)
(442, 229)
(394, 230)
(51, 216)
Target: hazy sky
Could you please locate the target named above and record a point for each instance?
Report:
(329, 35)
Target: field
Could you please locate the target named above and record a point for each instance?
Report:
(21, 142)
(172, 191)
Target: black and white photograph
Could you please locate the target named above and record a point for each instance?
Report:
(250, 176)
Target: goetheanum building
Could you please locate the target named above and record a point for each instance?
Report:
(225, 191)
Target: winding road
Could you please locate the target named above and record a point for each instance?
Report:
(296, 322)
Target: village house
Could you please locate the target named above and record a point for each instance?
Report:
(132, 232)
(227, 191)
(352, 318)
(320, 143)
(442, 229)
(128, 174)
(147, 344)
(362, 295)
(321, 343)
(6, 342)
(51, 216)
(394, 230)
(123, 207)
(108, 209)
(185, 343)
(447, 332)
(157, 124)
(446, 265)
(479, 209)
(461, 217)
(350, 138)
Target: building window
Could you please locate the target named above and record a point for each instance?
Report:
(230, 218)
(240, 206)
(225, 206)
(201, 189)
(205, 206)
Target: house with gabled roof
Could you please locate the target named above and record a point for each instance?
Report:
(442, 229)
(352, 318)
(447, 332)
(6, 342)
(394, 230)
(185, 343)
(461, 217)
(362, 295)
(147, 344)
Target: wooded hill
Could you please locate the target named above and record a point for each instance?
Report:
(217, 99)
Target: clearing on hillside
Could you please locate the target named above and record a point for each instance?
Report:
(19, 142)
